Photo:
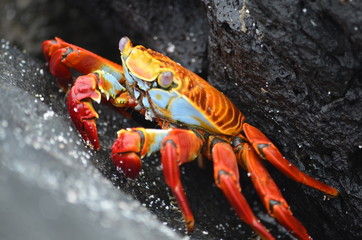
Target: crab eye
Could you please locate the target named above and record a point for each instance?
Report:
(125, 45)
(165, 79)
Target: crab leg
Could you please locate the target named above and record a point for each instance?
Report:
(268, 191)
(177, 146)
(63, 56)
(268, 151)
(226, 176)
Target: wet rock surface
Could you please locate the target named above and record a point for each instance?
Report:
(294, 69)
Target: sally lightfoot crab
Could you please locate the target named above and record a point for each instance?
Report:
(195, 120)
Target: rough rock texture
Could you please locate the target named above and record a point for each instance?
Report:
(293, 68)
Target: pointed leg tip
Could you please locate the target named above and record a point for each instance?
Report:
(333, 192)
(264, 233)
(89, 133)
(285, 217)
(190, 225)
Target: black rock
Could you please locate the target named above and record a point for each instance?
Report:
(294, 68)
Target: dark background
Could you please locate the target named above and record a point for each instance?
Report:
(293, 68)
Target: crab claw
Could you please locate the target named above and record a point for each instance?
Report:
(81, 110)
(49, 47)
(125, 152)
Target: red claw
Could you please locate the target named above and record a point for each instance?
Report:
(130, 163)
(49, 47)
(61, 71)
(125, 152)
(81, 110)
(83, 116)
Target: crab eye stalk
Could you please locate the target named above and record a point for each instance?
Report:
(165, 79)
(125, 45)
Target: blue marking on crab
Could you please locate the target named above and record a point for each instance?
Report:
(112, 82)
(171, 105)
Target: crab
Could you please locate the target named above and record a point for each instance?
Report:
(196, 120)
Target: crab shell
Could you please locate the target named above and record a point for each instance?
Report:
(168, 91)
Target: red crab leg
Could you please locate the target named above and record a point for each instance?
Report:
(63, 56)
(268, 151)
(177, 146)
(226, 176)
(268, 191)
